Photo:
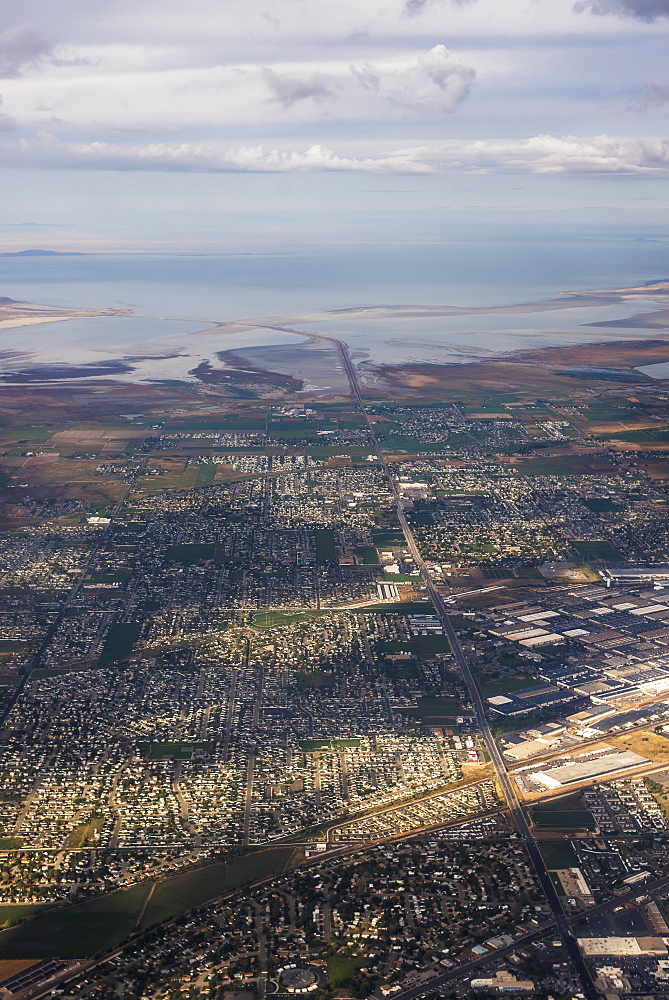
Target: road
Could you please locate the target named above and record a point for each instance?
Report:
(513, 803)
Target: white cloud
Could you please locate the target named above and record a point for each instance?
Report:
(47, 150)
(435, 82)
(547, 154)
(543, 154)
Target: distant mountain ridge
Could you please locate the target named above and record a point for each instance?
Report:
(43, 253)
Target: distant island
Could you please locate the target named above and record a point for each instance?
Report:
(43, 253)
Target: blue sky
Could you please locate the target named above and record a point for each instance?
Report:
(220, 122)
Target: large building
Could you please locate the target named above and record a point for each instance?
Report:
(622, 946)
(635, 574)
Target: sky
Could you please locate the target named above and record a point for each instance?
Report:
(216, 123)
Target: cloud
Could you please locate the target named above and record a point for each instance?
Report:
(547, 154)
(543, 154)
(413, 8)
(26, 46)
(7, 123)
(655, 95)
(48, 151)
(147, 128)
(288, 90)
(436, 82)
(640, 10)
(22, 47)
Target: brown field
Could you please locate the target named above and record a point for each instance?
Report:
(657, 468)
(61, 405)
(619, 426)
(501, 415)
(647, 743)
(639, 445)
(57, 476)
(226, 474)
(174, 474)
(55, 469)
(99, 439)
(12, 966)
(535, 374)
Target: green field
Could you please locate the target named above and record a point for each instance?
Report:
(28, 435)
(641, 436)
(324, 540)
(600, 505)
(189, 890)
(119, 642)
(314, 679)
(572, 819)
(296, 429)
(85, 929)
(368, 555)
(10, 914)
(597, 550)
(558, 854)
(606, 411)
(341, 968)
(436, 711)
(121, 577)
(512, 725)
(101, 924)
(382, 538)
(13, 646)
(205, 475)
(179, 750)
(190, 552)
(505, 685)
(229, 422)
(310, 746)
(410, 444)
(430, 645)
(275, 619)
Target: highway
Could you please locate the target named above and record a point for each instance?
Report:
(513, 803)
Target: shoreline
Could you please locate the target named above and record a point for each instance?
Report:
(14, 315)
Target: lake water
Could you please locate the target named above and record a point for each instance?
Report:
(177, 299)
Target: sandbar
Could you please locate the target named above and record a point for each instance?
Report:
(16, 314)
